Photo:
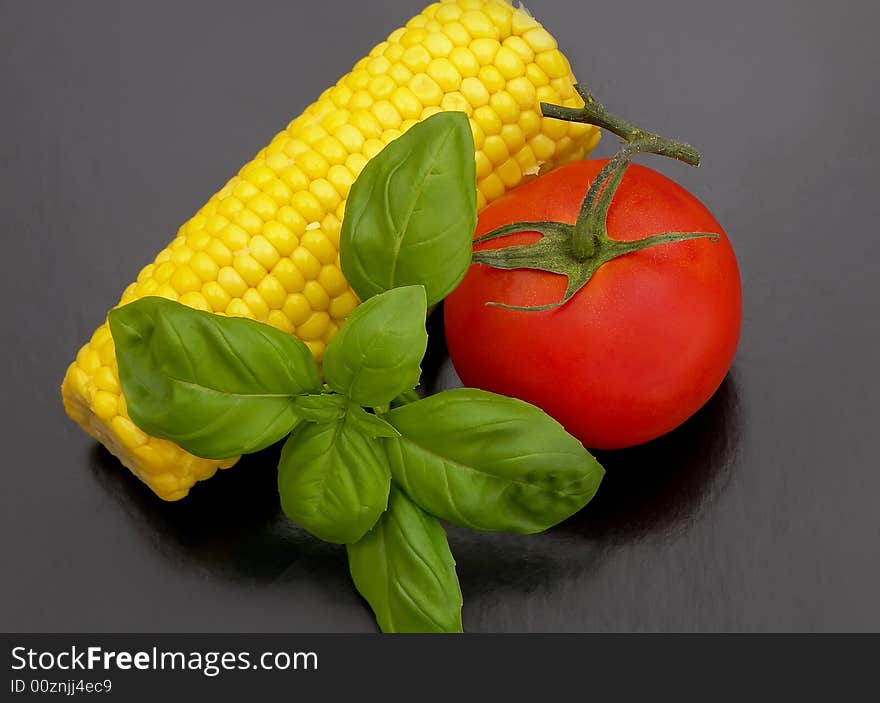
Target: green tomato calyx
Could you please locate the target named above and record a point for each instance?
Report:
(577, 251)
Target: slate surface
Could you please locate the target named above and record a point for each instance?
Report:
(119, 119)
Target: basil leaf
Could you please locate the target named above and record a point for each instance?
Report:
(216, 386)
(412, 211)
(405, 571)
(325, 407)
(333, 480)
(376, 355)
(371, 425)
(489, 462)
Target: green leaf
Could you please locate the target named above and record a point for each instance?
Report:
(371, 425)
(333, 480)
(405, 571)
(376, 355)
(412, 212)
(216, 386)
(488, 462)
(326, 407)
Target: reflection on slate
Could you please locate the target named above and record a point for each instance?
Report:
(232, 524)
(660, 487)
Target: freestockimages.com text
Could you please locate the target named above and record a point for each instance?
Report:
(208, 663)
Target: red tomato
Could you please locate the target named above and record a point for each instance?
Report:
(639, 349)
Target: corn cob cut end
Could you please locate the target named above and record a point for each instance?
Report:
(266, 245)
(93, 399)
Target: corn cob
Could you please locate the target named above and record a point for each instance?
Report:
(266, 245)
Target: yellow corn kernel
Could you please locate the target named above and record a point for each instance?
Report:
(181, 255)
(316, 295)
(382, 86)
(479, 24)
(488, 120)
(216, 296)
(492, 187)
(495, 148)
(104, 405)
(465, 62)
(314, 326)
(194, 299)
(240, 189)
(342, 305)
(484, 165)
(266, 245)
(289, 276)
(281, 239)
(272, 291)
(307, 205)
(521, 48)
(320, 247)
(523, 91)
(250, 270)
(185, 280)
(553, 63)
(238, 308)
(263, 206)
(426, 89)
(256, 303)
(530, 124)
(127, 432)
(203, 266)
(438, 45)
(485, 50)
(510, 174)
(291, 219)
(231, 281)
(445, 74)
(296, 308)
(248, 221)
(233, 236)
(555, 129)
(513, 137)
(416, 58)
(543, 146)
(164, 271)
(293, 177)
(475, 92)
(316, 347)
(491, 77)
(456, 102)
(106, 380)
(332, 281)
(280, 321)
(506, 107)
(539, 40)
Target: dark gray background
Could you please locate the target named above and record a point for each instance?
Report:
(117, 121)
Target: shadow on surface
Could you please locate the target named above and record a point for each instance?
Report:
(658, 489)
(233, 526)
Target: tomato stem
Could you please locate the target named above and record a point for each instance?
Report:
(577, 251)
(590, 226)
(595, 113)
(589, 230)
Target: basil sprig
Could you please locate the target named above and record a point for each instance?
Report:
(366, 462)
(221, 387)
